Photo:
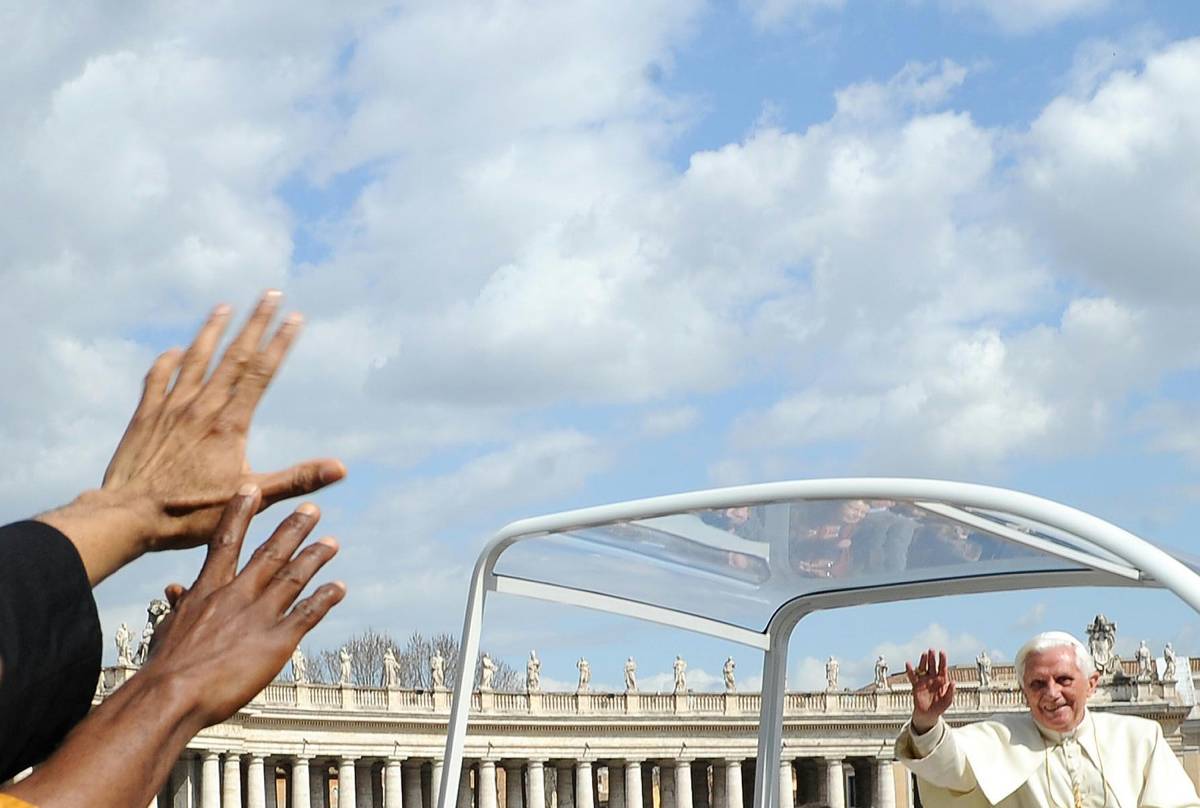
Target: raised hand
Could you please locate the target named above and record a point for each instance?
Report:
(185, 447)
(230, 633)
(932, 689)
(183, 454)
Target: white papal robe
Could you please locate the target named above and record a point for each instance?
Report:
(1112, 761)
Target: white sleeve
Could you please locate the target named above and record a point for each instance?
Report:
(935, 757)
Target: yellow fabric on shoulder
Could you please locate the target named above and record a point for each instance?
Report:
(12, 802)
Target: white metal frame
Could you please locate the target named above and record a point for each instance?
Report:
(1145, 565)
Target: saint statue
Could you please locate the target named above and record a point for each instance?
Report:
(345, 660)
(299, 667)
(630, 676)
(881, 674)
(487, 672)
(1169, 674)
(983, 663)
(391, 669)
(831, 673)
(680, 677)
(727, 670)
(1145, 664)
(143, 651)
(533, 673)
(124, 652)
(437, 671)
(585, 675)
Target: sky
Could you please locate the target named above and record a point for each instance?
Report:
(561, 254)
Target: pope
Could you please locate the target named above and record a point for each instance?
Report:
(1058, 753)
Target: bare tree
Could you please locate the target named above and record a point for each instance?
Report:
(366, 667)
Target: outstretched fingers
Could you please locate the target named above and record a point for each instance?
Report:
(199, 354)
(241, 353)
(260, 370)
(310, 611)
(278, 550)
(288, 581)
(225, 546)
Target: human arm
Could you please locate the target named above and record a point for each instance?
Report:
(183, 454)
(228, 635)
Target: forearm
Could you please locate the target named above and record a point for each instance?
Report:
(120, 755)
(107, 532)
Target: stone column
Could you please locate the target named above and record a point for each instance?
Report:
(256, 783)
(835, 783)
(318, 785)
(210, 780)
(683, 785)
(537, 784)
(885, 784)
(347, 792)
(666, 785)
(487, 784)
(181, 784)
(465, 798)
(584, 798)
(786, 798)
(413, 797)
(231, 786)
(733, 783)
(364, 794)
(393, 784)
(301, 790)
(565, 788)
(616, 784)
(435, 782)
(633, 784)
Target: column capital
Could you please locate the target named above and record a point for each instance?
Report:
(885, 757)
(730, 761)
(257, 756)
(633, 761)
(299, 758)
(348, 758)
(210, 754)
(833, 758)
(683, 760)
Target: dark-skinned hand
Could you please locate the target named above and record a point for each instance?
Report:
(230, 633)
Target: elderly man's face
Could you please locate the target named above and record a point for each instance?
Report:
(1055, 689)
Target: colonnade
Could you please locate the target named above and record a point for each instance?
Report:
(211, 779)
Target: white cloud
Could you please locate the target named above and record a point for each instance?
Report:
(774, 14)
(1032, 618)
(668, 422)
(1107, 179)
(1024, 16)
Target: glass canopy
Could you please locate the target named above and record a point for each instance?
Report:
(740, 564)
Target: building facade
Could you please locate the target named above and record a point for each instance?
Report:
(302, 745)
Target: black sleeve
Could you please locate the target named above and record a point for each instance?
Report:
(50, 643)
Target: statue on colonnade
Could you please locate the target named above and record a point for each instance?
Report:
(881, 674)
(831, 673)
(299, 667)
(680, 676)
(124, 651)
(437, 671)
(533, 673)
(345, 661)
(630, 676)
(391, 669)
(585, 675)
(727, 671)
(983, 664)
(487, 672)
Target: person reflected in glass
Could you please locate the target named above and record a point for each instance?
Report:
(821, 536)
